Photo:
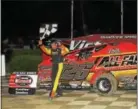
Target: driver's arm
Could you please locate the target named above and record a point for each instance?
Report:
(43, 48)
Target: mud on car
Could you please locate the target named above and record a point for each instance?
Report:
(104, 65)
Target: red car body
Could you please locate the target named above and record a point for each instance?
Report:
(114, 54)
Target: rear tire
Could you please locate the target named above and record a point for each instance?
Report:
(106, 84)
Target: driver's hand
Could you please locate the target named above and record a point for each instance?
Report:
(40, 42)
(59, 43)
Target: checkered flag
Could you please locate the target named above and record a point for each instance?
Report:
(47, 29)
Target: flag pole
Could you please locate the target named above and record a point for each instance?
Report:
(122, 17)
(72, 13)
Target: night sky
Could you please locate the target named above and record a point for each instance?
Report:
(24, 18)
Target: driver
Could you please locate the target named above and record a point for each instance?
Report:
(57, 52)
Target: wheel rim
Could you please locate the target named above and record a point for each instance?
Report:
(104, 85)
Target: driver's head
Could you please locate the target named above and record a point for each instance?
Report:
(54, 45)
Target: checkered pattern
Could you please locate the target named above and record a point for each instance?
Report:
(47, 29)
(71, 100)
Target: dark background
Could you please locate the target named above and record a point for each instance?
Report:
(23, 18)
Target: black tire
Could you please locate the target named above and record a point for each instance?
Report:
(108, 87)
(11, 90)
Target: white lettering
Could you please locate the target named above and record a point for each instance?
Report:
(73, 45)
(80, 44)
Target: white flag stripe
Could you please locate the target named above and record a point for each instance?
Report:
(47, 26)
(54, 25)
(47, 32)
(42, 30)
(53, 30)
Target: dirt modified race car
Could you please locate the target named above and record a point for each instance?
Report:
(104, 62)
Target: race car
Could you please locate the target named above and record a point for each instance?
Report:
(103, 64)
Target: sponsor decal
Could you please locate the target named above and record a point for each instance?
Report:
(85, 84)
(23, 80)
(75, 84)
(118, 37)
(128, 82)
(118, 62)
(25, 73)
(114, 51)
(21, 91)
(82, 44)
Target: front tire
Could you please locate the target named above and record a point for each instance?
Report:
(106, 84)
(11, 91)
